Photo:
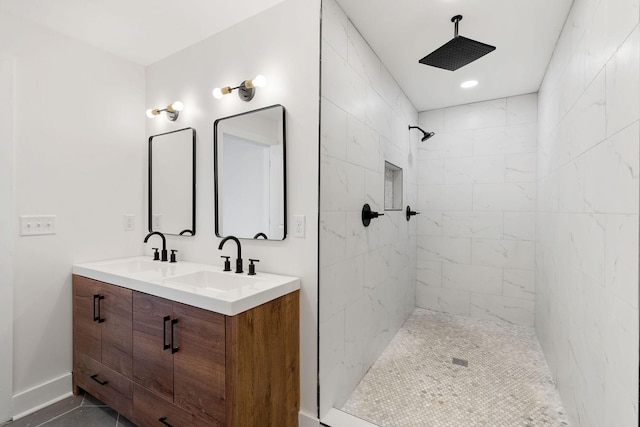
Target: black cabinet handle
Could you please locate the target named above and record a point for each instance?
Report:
(174, 349)
(164, 332)
(95, 378)
(96, 314)
(163, 420)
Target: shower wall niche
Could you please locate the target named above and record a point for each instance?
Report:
(392, 187)
(367, 275)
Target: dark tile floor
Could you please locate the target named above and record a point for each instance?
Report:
(83, 410)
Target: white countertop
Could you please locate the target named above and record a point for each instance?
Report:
(199, 285)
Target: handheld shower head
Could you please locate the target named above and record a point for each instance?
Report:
(425, 135)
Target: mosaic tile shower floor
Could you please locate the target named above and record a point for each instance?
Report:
(415, 382)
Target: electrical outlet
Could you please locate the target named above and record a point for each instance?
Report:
(36, 225)
(129, 222)
(156, 222)
(298, 226)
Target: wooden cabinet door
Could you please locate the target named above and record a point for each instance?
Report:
(117, 329)
(87, 335)
(199, 363)
(102, 323)
(152, 363)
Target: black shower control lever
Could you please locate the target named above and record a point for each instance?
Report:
(252, 267)
(368, 215)
(227, 263)
(411, 213)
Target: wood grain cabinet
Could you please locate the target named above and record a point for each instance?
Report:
(102, 342)
(179, 355)
(183, 365)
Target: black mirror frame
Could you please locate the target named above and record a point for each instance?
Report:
(192, 231)
(284, 170)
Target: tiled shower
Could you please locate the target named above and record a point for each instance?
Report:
(477, 198)
(367, 275)
(528, 211)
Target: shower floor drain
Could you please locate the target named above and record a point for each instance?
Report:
(460, 362)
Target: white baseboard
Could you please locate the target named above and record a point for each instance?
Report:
(38, 397)
(336, 418)
(306, 420)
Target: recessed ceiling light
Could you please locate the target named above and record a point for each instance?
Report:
(468, 84)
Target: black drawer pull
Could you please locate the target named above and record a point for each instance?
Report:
(164, 333)
(163, 420)
(96, 314)
(174, 349)
(95, 378)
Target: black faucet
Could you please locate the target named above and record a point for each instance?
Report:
(164, 243)
(239, 259)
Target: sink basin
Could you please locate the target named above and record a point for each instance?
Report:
(216, 281)
(133, 266)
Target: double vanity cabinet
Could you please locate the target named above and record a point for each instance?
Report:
(160, 361)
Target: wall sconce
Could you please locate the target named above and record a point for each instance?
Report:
(246, 89)
(173, 111)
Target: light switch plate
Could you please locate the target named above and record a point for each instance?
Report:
(129, 222)
(298, 226)
(36, 225)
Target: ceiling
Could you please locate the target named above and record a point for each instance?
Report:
(142, 31)
(399, 31)
(403, 31)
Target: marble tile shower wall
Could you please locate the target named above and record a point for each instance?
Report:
(587, 221)
(367, 275)
(477, 199)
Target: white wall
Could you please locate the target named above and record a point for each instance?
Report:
(281, 43)
(79, 154)
(6, 237)
(476, 196)
(367, 275)
(587, 220)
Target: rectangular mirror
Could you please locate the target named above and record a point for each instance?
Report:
(250, 184)
(172, 182)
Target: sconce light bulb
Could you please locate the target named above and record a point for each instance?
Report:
(177, 106)
(259, 81)
(217, 93)
(151, 113)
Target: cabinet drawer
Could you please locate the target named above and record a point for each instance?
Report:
(103, 383)
(153, 411)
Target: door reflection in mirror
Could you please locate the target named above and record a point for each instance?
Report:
(250, 185)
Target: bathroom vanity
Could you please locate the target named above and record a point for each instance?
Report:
(187, 344)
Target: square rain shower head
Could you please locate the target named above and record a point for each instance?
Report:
(457, 53)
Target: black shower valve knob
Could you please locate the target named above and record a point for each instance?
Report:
(368, 215)
(410, 213)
